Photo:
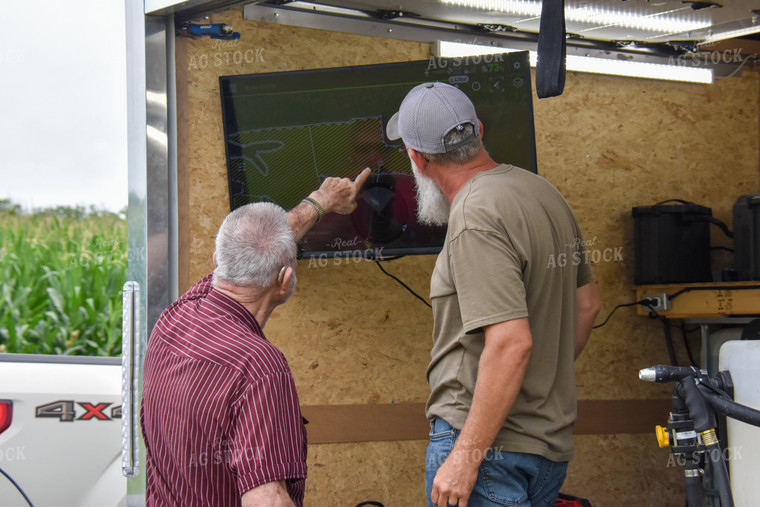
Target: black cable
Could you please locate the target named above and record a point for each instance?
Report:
(681, 201)
(678, 293)
(686, 345)
(386, 259)
(402, 284)
(723, 227)
(714, 287)
(17, 487)
(668, 337)
(653, 314)
(642, 302)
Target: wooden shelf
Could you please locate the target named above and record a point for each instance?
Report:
(694, 300)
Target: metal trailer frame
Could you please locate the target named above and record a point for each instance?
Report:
(152, 211)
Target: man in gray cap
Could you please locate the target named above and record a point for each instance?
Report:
(513, 305)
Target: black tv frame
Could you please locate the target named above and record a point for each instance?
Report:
(510, 70)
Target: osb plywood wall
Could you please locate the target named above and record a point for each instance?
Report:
(354, 336)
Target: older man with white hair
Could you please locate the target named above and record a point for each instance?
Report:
(220, 414)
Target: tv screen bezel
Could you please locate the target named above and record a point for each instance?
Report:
(368, 253)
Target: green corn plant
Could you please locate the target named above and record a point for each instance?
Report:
(62, 273)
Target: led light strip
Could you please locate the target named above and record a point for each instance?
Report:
(589, 64)
(639, 69)
(666, 22)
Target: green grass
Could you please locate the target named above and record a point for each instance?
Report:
(62, 273)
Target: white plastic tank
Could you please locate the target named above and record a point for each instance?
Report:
(742, 359)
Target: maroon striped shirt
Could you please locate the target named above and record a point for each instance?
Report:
(220, 413)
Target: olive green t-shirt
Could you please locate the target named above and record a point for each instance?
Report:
(513, 249)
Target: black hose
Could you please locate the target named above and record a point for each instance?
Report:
(693, 488)
(720, 474)
(730, 408)
(704, 423)
(699, 411)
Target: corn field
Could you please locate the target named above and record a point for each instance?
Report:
(62, 272)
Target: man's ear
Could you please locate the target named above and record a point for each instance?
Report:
(283, 284)
(481, 128)
(418, 160)
(214, 258)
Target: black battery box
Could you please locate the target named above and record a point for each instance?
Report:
(672, 243)
(747, 237)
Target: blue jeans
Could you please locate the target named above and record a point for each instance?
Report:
(504, 478)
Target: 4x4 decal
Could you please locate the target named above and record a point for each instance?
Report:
(66, 411)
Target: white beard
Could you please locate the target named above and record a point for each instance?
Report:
(432, 206)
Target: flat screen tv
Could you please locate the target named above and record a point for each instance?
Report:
(285, 132)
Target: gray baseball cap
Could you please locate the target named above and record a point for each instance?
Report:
(429, 112)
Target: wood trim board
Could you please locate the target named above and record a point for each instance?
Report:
(713, 299)
(407, 421)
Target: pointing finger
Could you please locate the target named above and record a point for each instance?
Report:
(359, 181)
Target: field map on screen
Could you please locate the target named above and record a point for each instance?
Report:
(286, 132)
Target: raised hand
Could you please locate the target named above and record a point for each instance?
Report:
(338, 195)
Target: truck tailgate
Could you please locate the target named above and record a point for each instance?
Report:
(63, 444)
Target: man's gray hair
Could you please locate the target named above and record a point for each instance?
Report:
(460, 155)
(253, 244)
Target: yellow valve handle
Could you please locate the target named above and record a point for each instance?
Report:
(662, 436)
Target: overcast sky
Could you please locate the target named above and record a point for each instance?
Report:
(62, 103)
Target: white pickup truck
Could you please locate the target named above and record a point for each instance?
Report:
(60, 431)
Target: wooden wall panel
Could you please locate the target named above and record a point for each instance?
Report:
(616, 470)
(353, 336)
(610, 144)
(342, 475)
(610, 470)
